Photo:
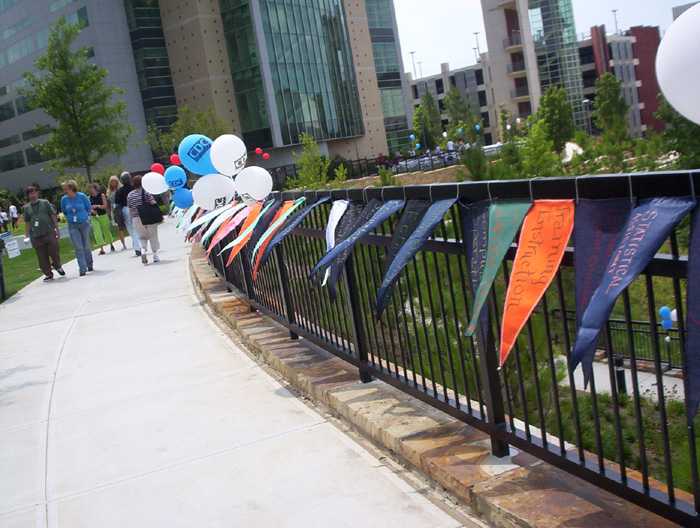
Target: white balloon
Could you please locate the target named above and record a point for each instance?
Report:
(228, 154)
(677, 66)
(154, 183)
(674, 315)
(213, 191)
(254, 182)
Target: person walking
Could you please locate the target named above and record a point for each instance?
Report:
(121, 200)
(101, 228)
(4, 221)
(41, 228)
(14, 216)
(146, 233)
(76, 207)
(117, 214)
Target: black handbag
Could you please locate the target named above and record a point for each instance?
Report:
(149, 213)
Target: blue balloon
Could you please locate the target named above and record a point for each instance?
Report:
(182, 198)
(195, 154)
(175, 177)
(665, 312)
(412, 137)
(418, 146)
(667, 324)
(477, 127)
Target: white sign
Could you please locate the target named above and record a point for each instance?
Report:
(12, 248)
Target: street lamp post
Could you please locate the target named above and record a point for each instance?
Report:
(587, 111)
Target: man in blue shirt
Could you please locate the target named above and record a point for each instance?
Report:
(76, 208)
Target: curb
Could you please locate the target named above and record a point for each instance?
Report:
(518, 491)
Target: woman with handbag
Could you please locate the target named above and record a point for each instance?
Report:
(101, 228)
(146, 216)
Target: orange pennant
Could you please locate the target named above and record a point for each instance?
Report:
(543, 239)
(252, 217)
(285, 207)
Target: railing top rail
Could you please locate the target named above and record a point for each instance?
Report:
(638, 185)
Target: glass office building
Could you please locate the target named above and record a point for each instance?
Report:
(556, 46)
(389, 66)
(291, 59)
(24, 36)
(151, 59)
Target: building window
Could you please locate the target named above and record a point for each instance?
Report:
(36, 132)
(392, 102)
(14, 160)
(80, 17)
(379, 14)
(453, 80)
(7, 4)
(441, 105)
(10, 140)
(488, 139)
(485, 119)
(34, 156)
(415, 91)
(479, 77)
(482, 98)
(440, 86)
(15, 28)
(386, 60)
(7, 111)
(22, 105)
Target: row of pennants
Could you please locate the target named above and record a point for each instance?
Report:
(616, 238)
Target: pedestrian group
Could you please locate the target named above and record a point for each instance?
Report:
(124, 206)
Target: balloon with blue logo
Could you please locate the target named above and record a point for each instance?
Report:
(195, 154)
(182, 198)
(665, 312)
(412, 137)
(667, 324)
(175, 177)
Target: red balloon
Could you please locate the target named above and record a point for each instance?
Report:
(259, 151)
(174, 159)
(266, 156)
(158, 167)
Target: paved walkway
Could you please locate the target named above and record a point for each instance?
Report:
(122, 405)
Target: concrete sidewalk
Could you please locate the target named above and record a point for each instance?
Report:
(122, 405)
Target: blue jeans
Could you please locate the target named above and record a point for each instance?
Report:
(130, 229)
(80, 237)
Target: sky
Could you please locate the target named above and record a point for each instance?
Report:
(443, 30)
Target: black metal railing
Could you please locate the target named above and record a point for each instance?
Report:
(634, 442)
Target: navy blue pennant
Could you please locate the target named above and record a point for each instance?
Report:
(377, 213)
(475, 229)
(289, 226)
(597, 229)
(648, 225)
(417, 222)
(692, 340)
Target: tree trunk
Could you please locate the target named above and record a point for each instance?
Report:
(88, 169)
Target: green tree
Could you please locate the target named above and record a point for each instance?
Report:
(538, 155)
(165, 142)
(610, 109)
(90, 120)
(457, 108)
(312, 167)
(680, 135)
(426, 122)
(558, 117)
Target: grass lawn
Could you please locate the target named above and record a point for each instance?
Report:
(24, 269)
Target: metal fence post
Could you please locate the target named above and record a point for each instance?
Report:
(491, 382)
(3, 292)
(247, 277)
(283, 278)
(358, 326)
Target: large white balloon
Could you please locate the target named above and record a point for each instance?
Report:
(677, 65)
(154, 183)
(228, 154)
(213, 191)
(254, 182)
